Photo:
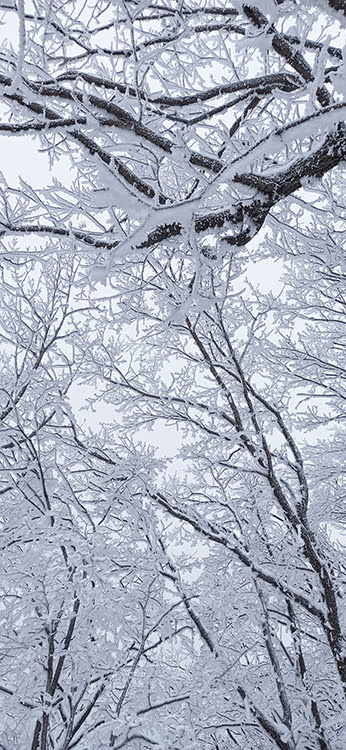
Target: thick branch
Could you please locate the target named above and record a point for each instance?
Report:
(329, 155)
(283, 47)
(282, 81)
(270, 191)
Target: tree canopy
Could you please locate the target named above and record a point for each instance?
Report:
(172, 387)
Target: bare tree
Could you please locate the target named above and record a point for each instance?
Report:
(195, 598)
(270, 606)
(82, 601)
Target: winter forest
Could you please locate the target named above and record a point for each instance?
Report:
(173, 375)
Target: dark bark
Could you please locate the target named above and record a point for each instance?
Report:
(338, 5)
(285, 49)
(270, 191)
